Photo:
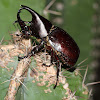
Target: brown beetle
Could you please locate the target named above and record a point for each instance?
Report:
(59, 44)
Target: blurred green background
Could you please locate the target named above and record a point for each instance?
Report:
(8, 12)
(76, 16)
(76, 19)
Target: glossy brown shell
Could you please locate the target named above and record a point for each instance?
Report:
(69, 49)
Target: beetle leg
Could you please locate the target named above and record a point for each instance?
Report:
(33, 51)
(58, 70)
(17, 28)
(54, 57)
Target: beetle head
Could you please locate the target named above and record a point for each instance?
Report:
(26, 32)
(39, 26)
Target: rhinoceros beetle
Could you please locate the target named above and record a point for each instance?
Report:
(58, 43)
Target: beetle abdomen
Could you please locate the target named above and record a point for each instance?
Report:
(65, 45)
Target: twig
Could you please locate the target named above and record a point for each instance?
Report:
(50, 11)
(93, 83)
(16, 80)
(85, 76)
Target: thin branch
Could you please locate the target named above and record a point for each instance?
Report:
(51, 11)
(82, 62)
(50, 4)
(93, 83)
(85, 75)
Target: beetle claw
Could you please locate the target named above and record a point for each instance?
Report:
(46, 65)
(20, 58)
(55, 86)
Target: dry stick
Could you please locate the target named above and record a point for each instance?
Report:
(82, 62)
(50, 11)
(93, 83)
(16, 81)
(53, 12)
(1, 40)
(90, 93)
(85, 76)
(50, 4)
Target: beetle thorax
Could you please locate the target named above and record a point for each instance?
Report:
(42, 29)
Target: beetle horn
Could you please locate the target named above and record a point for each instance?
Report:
(18, 16)
(38, 18)
(20, 21)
